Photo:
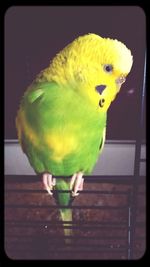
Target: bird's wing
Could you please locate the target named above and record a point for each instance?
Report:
(45, 122)
(57, 125)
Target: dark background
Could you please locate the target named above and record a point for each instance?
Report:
(33, 35)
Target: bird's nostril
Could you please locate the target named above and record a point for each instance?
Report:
(100, 88)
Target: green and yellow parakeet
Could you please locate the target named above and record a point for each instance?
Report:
(61, 121)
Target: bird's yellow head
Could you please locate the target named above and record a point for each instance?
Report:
(94, 66)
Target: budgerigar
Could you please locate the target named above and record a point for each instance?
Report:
(61, 121)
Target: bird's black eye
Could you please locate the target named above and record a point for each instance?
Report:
(108, 68)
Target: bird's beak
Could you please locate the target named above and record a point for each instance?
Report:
(120, 80)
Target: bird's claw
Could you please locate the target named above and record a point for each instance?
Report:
(48, 182)
(76, 183)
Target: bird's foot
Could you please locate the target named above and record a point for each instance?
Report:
(76, 183)
(48, 182)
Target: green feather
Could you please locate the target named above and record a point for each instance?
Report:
(34, 95)
(54, 110)
(49, 108)
(64, 199)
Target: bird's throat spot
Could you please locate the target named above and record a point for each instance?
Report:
(101, 102)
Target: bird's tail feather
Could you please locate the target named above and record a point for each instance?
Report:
(64, 199)
(66, 216)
